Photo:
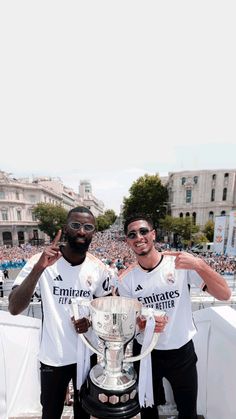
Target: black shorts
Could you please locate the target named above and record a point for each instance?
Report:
(54, 383)
(178, 366)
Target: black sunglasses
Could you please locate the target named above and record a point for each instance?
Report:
(77, 226)
(142, 230)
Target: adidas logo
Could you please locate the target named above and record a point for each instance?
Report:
(139, 288)
(58, 278)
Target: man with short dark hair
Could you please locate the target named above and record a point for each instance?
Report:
(59, 274)
(162, 281)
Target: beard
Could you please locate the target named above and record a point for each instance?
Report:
(143, 252)
(79, 247)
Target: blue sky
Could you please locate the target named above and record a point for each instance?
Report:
(110, 90)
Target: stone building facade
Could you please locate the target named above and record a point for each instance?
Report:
(18, 198)
(90, 201)
(201, 194)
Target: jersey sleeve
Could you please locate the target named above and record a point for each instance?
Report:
(103, 286)
(123, 287)
(25, 272)
(195, 278)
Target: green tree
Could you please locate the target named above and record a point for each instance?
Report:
(110, 216)
(103, 222)
(167, 224)
(209, 230)
(183, 228)
(51, 218)
(147, 195)
(199, 237)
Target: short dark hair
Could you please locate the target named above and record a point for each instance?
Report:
(137, 217)
(80, 209)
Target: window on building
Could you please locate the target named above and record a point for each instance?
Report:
(18, 214)
(188, 196)
(187, 214)
(195, 179)
(17, 196)
(35, 234)
(224, 197)
(194, 215)
(222, 213)
(2, 195)
(211, 215)
(181, 215)
(21, 237)
(7, 238)
(34, 217)
(226, 179)
(213, 195)
(214, 177)
(183, 180)
(32, 198)
(4, 215)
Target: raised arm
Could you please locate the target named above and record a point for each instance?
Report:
(216, 284)
(21, 295)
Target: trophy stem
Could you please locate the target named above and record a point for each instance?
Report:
(114, 354)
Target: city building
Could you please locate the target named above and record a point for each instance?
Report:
(18, 198)
(201, 194)
(90, 201)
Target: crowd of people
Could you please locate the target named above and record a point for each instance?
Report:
(16, 256)
(112, 250)
(65, 271)
(225, 265)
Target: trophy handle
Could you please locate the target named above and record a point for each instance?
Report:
(147, 311)
(86, 342)
(76, 313)
(145, 353)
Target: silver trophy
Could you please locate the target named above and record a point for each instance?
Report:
(111, 387)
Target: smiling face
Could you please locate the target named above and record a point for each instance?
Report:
(79, 231)
(140, 237)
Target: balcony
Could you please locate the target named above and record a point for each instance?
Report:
(215, 344)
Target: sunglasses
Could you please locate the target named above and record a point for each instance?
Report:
(77, 226)
(143, 231)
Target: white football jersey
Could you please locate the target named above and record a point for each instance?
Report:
(164, 288)
(57, 285)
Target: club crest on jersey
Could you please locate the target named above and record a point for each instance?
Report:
(170, 278)
(89, 281)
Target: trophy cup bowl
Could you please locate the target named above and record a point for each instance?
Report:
(114, 318)
(111, 386)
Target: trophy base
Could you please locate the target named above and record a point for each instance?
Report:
(120, 381)
(106, 404)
